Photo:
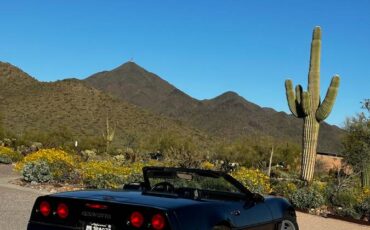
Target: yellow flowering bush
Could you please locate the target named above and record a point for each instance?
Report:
(284, 188)
(10, 153)
(207, 165)
(111, 174)
(61, 163)
(253, 179)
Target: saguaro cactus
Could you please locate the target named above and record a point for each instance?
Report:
(307, 105)
(108, 135)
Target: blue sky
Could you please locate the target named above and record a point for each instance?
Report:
(202, 47)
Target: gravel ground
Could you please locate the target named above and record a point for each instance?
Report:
(312, 222)
(16, 203)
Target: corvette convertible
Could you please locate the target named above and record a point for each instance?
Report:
(167, 199)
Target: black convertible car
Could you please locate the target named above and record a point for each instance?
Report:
(169, 198)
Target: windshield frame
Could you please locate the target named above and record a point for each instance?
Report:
(201, 172)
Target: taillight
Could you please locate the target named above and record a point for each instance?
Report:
(136, 219)
(45, 208)
(158, 222)
(62, 211)
(97, 206)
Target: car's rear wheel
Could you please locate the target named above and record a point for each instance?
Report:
(288, 224)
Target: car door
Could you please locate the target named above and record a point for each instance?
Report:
(252, 215)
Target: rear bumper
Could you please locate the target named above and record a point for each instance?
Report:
(42, 226)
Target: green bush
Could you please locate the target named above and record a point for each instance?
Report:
(61, 163)
(347, 212)
(5, 159)
(283, 187)
(38, 171)
(307, 198)
(364, 207)
(105, 181)
(10, 153)
(346, 198)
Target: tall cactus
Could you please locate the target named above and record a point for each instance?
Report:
(108, 135)
(307, 105)
(365, 177)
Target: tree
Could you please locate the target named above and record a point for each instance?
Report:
(357, 143)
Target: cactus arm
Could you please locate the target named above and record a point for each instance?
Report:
(291, 98)
(325, 108)
(306, 103)
(298, 94)
(314, 70)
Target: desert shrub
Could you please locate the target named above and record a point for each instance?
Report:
(61, 163)
(105, 174)
(352, 202)
(38, 171)
(284, 188)
(346, 198)
(363, 207)
(112, 174)
(308, 197)
(13, 155)
(253, 179)
(4, 159)
(207, 165)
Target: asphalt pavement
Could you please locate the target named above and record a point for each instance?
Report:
(15, 201)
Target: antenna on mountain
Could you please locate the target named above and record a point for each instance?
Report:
(131, 59)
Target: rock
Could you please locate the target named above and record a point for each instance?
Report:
(38, 145)
(7, 142)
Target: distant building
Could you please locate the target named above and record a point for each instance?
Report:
(328, 161)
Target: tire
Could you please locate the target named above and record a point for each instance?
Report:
(221, 227)
(288, 223)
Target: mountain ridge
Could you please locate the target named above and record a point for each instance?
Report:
(226, 115)
(28, 105)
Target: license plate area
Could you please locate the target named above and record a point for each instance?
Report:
(96, 226)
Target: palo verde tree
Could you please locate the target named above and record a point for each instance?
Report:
(356, 143)
(308, 106)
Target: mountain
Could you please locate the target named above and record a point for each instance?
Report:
(228, 115)
(29, 105)
(134, 84)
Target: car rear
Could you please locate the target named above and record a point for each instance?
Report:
(59, 213)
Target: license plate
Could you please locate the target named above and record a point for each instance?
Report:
(95, 226)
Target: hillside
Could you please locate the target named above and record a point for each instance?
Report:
(140, 87)
(27, 105)
(228, 115)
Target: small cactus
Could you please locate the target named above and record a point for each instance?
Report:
(108, 135)
(365, 177)
(307, 105)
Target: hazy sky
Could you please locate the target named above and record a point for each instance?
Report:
(202, 47)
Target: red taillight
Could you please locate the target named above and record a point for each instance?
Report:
(158, 222)
(97, 206)
(45, 208)
(136, 219)
(62, 211)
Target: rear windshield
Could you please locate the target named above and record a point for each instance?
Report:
(192, 180)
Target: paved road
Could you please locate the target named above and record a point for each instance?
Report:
(16, 204)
